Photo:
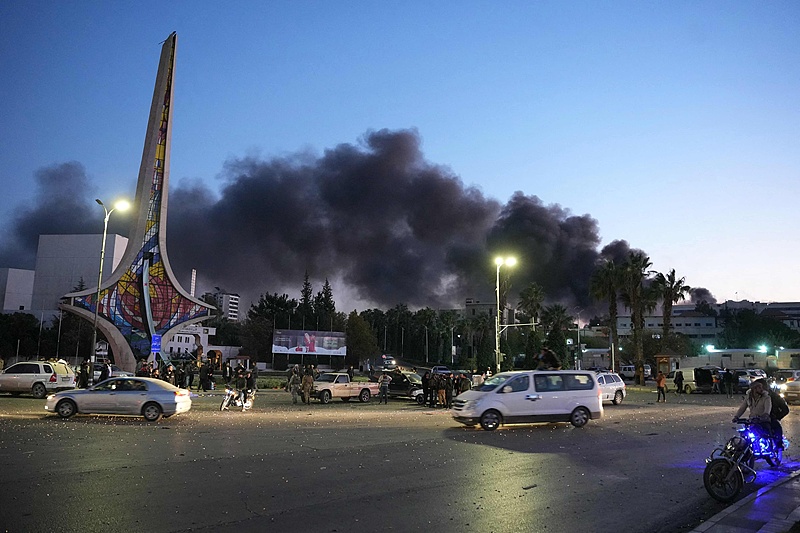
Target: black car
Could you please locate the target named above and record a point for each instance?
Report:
(404, 385)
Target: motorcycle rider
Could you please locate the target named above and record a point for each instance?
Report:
(241, 383)
(779, 410)
(250, 385)
(760, 404)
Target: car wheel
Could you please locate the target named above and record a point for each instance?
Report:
(687, 389)
(325, 396)
(618, 397)
(579, 417)
(421, 399)
(39, 391)
(490, 420)
(364, 396)
(66, 408)
(151, 412)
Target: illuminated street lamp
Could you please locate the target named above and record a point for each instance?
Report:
(499, 261)
(121, 205)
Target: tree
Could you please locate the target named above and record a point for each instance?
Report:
(361, 345)
(605, 285)
(530, 301)
(671, 290)
(556, 320)
(634, 274)
(306, 306)
(325, 307)
(556, 317)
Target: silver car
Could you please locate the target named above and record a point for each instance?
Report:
(147, 397)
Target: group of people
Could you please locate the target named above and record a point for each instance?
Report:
(301, 383)
(440, 389)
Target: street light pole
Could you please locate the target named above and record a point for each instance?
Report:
(499, 261)
(121, 205)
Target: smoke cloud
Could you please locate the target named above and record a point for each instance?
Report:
(374, 217)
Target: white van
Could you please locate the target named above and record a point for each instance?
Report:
(629, 371)
(531, 396)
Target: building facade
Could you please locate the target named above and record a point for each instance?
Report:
(16, 289)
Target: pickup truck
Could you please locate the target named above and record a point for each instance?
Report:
(338, 385)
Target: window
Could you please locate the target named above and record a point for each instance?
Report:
(548, 382)
(518, 384)
(601, 380)
(579, 382)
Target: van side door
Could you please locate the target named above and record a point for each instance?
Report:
(514, 395)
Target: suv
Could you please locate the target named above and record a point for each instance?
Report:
(440, 369)
(37, 378)
(612, 387)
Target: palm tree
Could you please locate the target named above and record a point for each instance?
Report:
(605, 285)
(556, 318)
(634, 294)
(530, 301)
(670, 290)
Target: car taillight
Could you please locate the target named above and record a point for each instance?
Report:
(181, 392)
(53, 378)
(790, 379)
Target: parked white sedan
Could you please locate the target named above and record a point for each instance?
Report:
(147, 397)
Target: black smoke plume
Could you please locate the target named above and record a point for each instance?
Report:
(377, 217)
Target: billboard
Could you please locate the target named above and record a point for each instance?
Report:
(291, 341)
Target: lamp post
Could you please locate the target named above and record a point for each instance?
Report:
(499, 261)
(121, 205)
(578, 351)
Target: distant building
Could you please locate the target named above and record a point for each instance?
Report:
(226, 302)
(16, 289)
(63, 260)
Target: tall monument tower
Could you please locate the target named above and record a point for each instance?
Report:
(141, 298)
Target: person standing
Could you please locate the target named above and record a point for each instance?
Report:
(105, 372)
(678, 382)
(449, 384)
(426, 387)
(307, 385)
(661, 384)
(86, 374)
(294, 386)
(727, 381)
(383, 382)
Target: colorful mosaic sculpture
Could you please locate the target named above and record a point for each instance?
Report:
(141, 298)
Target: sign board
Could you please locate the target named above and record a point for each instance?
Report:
(155, 344)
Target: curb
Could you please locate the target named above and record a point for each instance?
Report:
(775, 525)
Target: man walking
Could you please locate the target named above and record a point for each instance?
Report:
(383, 382)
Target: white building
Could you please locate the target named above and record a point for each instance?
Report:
(226, 302)
(16, 289)
(62, 261)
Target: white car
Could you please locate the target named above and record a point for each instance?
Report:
(147, 397)
(531, 396)
(37, 378)
(116, 372)
(612, 387)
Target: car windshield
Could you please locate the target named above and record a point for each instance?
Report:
(414, 378)
(327, 378)
(492, 383)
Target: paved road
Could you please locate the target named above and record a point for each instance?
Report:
(362, 467)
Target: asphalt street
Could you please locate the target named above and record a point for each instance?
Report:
(363, 467)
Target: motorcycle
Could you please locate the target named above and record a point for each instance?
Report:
(232, 397)
(729, 468)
